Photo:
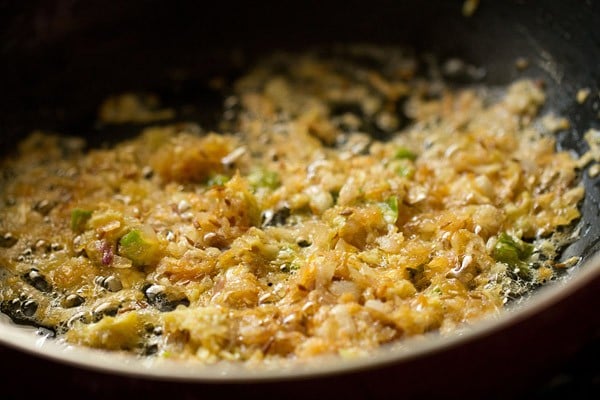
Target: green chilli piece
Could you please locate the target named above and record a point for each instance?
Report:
(79, 217)
(404, 153)
(515, 253)
(389, 208)
(217, 180)
(140, 246)
(264, 178)
(405, 171)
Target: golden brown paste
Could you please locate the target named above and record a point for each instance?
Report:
(346, 202)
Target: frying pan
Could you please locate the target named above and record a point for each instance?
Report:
(59, 59)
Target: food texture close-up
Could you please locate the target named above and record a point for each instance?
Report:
(341, 198)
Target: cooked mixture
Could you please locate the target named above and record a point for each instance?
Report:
(348, 200)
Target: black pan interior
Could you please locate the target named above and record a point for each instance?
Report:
(59, 59)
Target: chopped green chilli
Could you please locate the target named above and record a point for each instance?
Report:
(79, 218)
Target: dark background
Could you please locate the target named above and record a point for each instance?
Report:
(59, 59)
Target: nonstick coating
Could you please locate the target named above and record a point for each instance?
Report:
(59, 59)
